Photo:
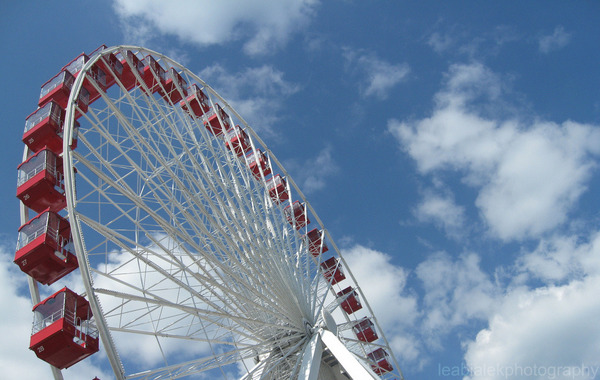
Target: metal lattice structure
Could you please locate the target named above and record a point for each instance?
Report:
(197, 251)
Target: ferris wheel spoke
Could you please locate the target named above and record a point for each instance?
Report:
(208, 315)
(222, 294)
(220, 360)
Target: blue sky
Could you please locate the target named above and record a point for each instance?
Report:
(452, 149)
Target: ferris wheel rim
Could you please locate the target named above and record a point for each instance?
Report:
(70, 188)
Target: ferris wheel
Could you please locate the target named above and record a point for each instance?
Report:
(199, 256)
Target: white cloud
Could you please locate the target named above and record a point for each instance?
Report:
(378, 76)
(548, 330)
(263, 25)
(562, 258)
(528, 175)
(257, 94)
(555, 41)
(443, 211)
(311, 175)
(440, 43)
(456, 291)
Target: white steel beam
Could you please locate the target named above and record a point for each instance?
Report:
(311, 359)
(350, 363)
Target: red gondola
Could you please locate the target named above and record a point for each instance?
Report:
(350, 302)
(109, 65)
(218, 121)
(257, 161)
(44, 248)
(380, 357)
(316, 245)
(62, 332)
(95, 73)
(58, 89)
(296, 215)
(40, 183)
(154, 74)
(365, 330)
(237, 140)
(332, 270)
(197, 100)
(131, 63)
(172, 81)
(44, 129)
(277, 188)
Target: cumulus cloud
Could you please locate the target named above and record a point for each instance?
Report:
(257, 94)
(311, 175)
(456, 292)
(378, 77)
(263, 25)
(547, 330)
(443, 211)
(562, 258)
(555, 41)
(528, 174)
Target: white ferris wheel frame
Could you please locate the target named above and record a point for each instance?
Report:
(321, 337)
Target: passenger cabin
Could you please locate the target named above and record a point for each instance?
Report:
(257, 162)
(277, 187)
(197, 100)
(332, 270)
(95, 73)
(63, 333)
(316, 245)
(349, 300)
(218, 121)
(171, 92)
(40, 183)
(296, 214)
(109, 65)
(45, 249)
(365, 330)
(154, 75)
(237, 140)
(44, 129)
(58, 89)
(381, 358)
(131, 64)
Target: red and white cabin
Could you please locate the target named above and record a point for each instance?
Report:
(95, 73)
(350, 302)
(332, 270)
(109, 65)
(296, 214)
(173, 80)
(40, 183)
(197, 100)
(58, 89)
(237, 139)
(131, 64)
(44, 129)
(316, 245)
(154, 75)
(257, 162)
(45, 249)
(218, 121)
(365, 330)
(277, 187)
(63, 333)
(380, 357)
